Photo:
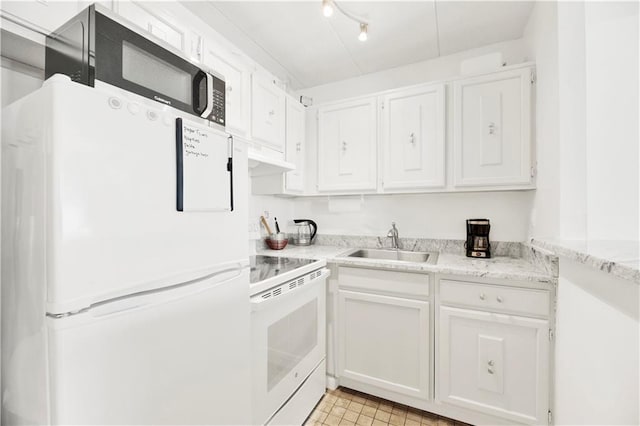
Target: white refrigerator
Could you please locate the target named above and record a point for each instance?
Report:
(125, 280)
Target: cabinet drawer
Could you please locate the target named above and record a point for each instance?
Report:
(495, 297)
(384, 281)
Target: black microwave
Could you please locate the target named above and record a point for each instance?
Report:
(93, 46)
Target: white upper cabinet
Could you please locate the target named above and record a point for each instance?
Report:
(157, 23)
(413, 138)
(267, 113)
(237, 81)
(295, 135)
(347, 146)
(44, 16)
(492, 129)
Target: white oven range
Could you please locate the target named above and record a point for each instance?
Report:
(288, 337)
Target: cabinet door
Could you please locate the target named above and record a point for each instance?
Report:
(158, 24)
(44, 15)
(236, 86)
(492, 129)
(413, 138)
(267, 112)
(384, 341)
(347, 146)
(294, 180)
(494, 363)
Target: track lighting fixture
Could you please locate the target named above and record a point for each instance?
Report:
(327, 10)
(363, 32)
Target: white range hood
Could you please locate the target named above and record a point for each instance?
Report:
(263, 165)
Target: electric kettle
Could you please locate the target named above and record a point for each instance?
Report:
(306, 231)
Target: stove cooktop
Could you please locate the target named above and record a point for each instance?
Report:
(265, 267)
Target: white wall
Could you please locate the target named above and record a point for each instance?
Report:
(540, 39)
(424, 215)
(587, 120)
(611, 59)
(597, 348)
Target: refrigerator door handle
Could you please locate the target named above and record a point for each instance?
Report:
(159, 295)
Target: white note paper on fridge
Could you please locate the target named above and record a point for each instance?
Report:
(204, 181)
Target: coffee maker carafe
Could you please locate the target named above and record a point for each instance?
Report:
(306, 231)
(477, 243)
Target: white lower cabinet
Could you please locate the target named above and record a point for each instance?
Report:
(383, 331)
(489, 359)
(484, 347)
(384, 341)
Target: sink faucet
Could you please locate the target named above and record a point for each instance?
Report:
(393, 234)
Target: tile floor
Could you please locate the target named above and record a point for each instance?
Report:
(347, 407)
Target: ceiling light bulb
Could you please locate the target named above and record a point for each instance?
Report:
(363, 32)
(327, 8)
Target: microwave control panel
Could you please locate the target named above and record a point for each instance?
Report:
(218, 111)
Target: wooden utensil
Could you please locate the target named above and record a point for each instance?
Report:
(266, 225)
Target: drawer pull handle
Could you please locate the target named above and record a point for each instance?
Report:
(481, 296)
(499, 299)
(490, 370)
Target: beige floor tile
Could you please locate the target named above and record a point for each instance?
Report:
(385, 406)
(411, 422)
(369, 411)
(429, 420)
(344, 422)
(351, 416)
(364, 420)
(312, 423)
(371, 403)
(338, 411)
(382, 416)
(399, 410)
(415, 416)
(342, 402)
(330, 398)
(359, 399)
(443, 421)
(396, 420)
(377, 422)
(321, 416)
(332, 420)
(324, 407)
(354, 406)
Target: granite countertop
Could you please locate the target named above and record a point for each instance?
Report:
(619, 258)
(502, 267)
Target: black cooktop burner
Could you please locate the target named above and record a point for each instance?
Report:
(265, 267)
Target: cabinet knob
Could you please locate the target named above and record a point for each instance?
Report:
(272, 112)
(490, 370)
(412, 138)
(499, 299)
(298, 147)
(492, 128)
(490, 363)
(344, 145)
(229, 88)
(482, 296)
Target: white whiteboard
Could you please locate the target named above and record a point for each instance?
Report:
(203, 179)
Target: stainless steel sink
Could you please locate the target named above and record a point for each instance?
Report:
(396, 255)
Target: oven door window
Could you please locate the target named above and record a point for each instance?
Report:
(290, 340)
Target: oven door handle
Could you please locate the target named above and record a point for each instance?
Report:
(258, 304)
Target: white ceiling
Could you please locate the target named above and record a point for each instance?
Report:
(297, 43)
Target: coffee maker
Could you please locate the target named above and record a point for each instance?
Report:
(477, 243)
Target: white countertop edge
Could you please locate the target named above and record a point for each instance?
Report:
(597, 255)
